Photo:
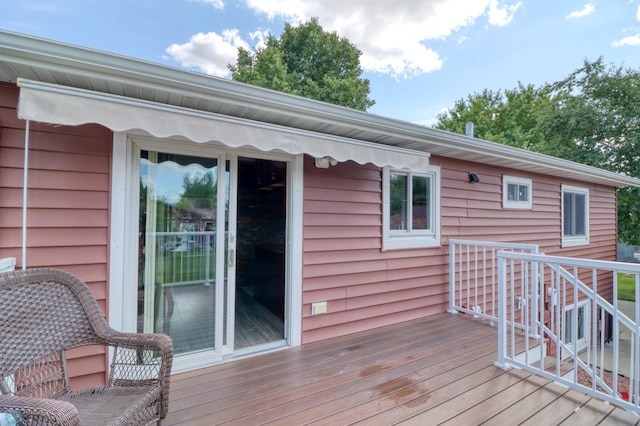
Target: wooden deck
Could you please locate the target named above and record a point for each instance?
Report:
(438, 370)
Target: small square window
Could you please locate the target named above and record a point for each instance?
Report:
(516, 193)
(411, 208)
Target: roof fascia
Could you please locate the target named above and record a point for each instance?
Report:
(107, 66)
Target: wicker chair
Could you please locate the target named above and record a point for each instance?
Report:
(45, 312)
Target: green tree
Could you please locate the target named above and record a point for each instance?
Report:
(510, 118)
(309, 62)
(597, 122)
(199, 191)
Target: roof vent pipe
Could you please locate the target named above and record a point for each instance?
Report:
(468, 131)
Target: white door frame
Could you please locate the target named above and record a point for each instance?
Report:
(122, 303)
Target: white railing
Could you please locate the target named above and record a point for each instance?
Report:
(589, 344)
(473, 279)
(185, 258)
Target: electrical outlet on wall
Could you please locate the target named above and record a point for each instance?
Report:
(318, 308)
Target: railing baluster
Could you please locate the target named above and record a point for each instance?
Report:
(475, 278)
(502, 320)
(484, 280)
(494, 274)
(452, 277)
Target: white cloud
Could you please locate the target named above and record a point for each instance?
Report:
(392, 35)
(502, 16)
(588, 9)
(259, 38)
(218, 4)
(210, 52)
(627, 41)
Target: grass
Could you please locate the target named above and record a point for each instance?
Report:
(626, 287)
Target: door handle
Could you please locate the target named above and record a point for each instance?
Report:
(231, 258)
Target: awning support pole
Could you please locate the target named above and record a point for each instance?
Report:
(24, 195)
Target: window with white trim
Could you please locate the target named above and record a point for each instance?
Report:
(516, 192)
(575, 216)
(411, 208)
(576, 326)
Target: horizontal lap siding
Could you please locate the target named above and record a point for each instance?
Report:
(343, 263)
(68, 208)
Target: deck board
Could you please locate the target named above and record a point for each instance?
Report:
(438, 370)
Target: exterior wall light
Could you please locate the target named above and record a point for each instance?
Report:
(325, 162)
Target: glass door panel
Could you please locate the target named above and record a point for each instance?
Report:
(181, 258)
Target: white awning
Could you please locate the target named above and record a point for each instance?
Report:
(71, 106)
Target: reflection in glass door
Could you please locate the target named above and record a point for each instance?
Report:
(182, 250)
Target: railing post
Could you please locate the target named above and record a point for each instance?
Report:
(534, 326)
(452, 277)
(502, 312)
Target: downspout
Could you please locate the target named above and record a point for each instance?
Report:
(24, 196)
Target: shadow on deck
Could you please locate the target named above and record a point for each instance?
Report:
(437, 370)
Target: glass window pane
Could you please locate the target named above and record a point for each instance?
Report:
(178, 197)
(398, 201)
(568, 326)
(580, 216)
(420, 203)
(568, 213)
(523, 193)
(575, 214)
(581, 322)
(512, 194)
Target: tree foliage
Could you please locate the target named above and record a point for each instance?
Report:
(591, 117)
(199, 191)
(309, 62)
(510, 118)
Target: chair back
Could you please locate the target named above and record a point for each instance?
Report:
(43, 313)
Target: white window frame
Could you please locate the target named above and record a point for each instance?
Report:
(516, 204)
(402, 239)
(583, 342)
(575, 240)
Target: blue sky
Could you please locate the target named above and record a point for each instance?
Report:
(420, 55)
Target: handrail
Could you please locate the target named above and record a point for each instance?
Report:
(566, 284)
(510, 246)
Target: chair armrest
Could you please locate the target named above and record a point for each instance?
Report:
(149, 341)
(41, 411)
(141, 359)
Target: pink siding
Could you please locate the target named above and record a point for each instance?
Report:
(342, 259)
(365, 288)
(68, 216)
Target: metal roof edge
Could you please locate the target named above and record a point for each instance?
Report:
(71, 58)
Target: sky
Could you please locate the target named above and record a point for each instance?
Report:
(420, 56)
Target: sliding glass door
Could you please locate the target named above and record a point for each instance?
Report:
(214, 294)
